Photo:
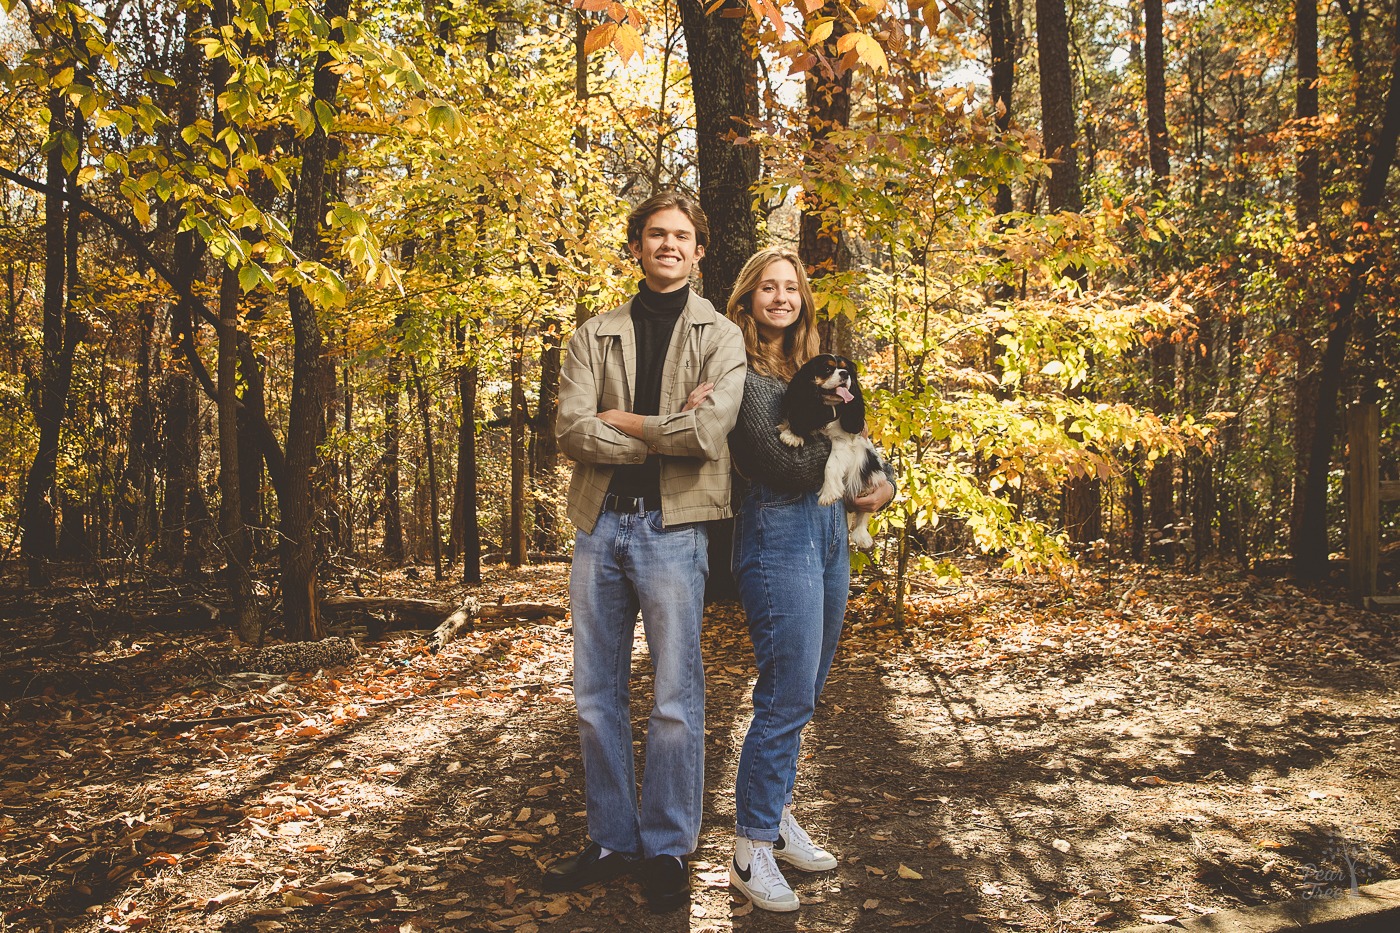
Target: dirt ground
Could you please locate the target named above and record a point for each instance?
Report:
(1020, 756)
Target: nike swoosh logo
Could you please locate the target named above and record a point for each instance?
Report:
(744, 873)
(780, 844)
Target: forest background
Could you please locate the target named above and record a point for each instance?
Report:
(286, 284)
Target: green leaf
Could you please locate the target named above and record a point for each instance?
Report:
(251, 276)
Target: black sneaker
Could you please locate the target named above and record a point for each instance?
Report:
(588, 867)
(665, 882)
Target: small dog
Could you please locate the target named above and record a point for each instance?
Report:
(824, 397)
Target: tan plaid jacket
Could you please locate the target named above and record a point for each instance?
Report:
(600, 373)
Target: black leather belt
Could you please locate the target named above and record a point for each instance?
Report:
(615, 503)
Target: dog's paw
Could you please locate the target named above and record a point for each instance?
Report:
(827, 498)
(861, 539)
(787, 437)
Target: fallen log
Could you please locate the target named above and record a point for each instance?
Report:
(451, 620)
(419, 610)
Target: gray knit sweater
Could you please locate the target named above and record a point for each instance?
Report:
(760, 455)
(758, 452)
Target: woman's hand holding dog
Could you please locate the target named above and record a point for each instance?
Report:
(875, 498)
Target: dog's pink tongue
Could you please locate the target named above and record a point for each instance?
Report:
(844, 393)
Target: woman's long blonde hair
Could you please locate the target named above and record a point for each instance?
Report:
(800, 342)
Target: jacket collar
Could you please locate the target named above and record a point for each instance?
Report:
(618, 321)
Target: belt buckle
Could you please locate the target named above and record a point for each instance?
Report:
(626, 504)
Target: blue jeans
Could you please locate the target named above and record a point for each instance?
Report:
(631, 562)
(793, 569)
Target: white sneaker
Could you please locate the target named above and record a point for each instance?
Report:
(760, 880)
(796, 848)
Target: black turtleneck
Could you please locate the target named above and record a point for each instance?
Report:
(654, 317)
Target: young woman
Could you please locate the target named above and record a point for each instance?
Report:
(793, 570)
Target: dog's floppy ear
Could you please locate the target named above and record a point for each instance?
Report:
(853, 412)
(795, 406)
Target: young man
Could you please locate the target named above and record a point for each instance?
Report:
(647, 397)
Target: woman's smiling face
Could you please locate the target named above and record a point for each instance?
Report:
(776, 302)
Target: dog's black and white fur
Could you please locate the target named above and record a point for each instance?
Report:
(824, 397)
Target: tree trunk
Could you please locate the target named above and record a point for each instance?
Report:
(1158, 144)
(393, 505)
(1233, 493)
(1003, 41)
(466, 530)
(1136, 518)
(305, 422)
(820, 242)
(1002, 35)
(515, 547)
(178, 534)
(1161, 480)
(185, 521)
(1200, 464)
(347, 462)
(1081, 504)
(1161, 486)
(330, 491)
(1307, 202)
(724, 82)
(545, 460)
(1310, 559)
(1057, 106)
(435, 521)
(181, 448)
(62, 332)
(137, 506)
(256, 445)
(237, 546)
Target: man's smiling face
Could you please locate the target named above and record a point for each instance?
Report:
(668, 250)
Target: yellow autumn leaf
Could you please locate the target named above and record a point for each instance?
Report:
(627, 42)
(822, 31)
(868, 12)
(931, 14)
(869, 51)
(908, 873)
(598, 37)
(764, 9)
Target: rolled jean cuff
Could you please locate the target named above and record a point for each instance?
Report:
(758, 835)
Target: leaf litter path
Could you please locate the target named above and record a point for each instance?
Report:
(1019, 757)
